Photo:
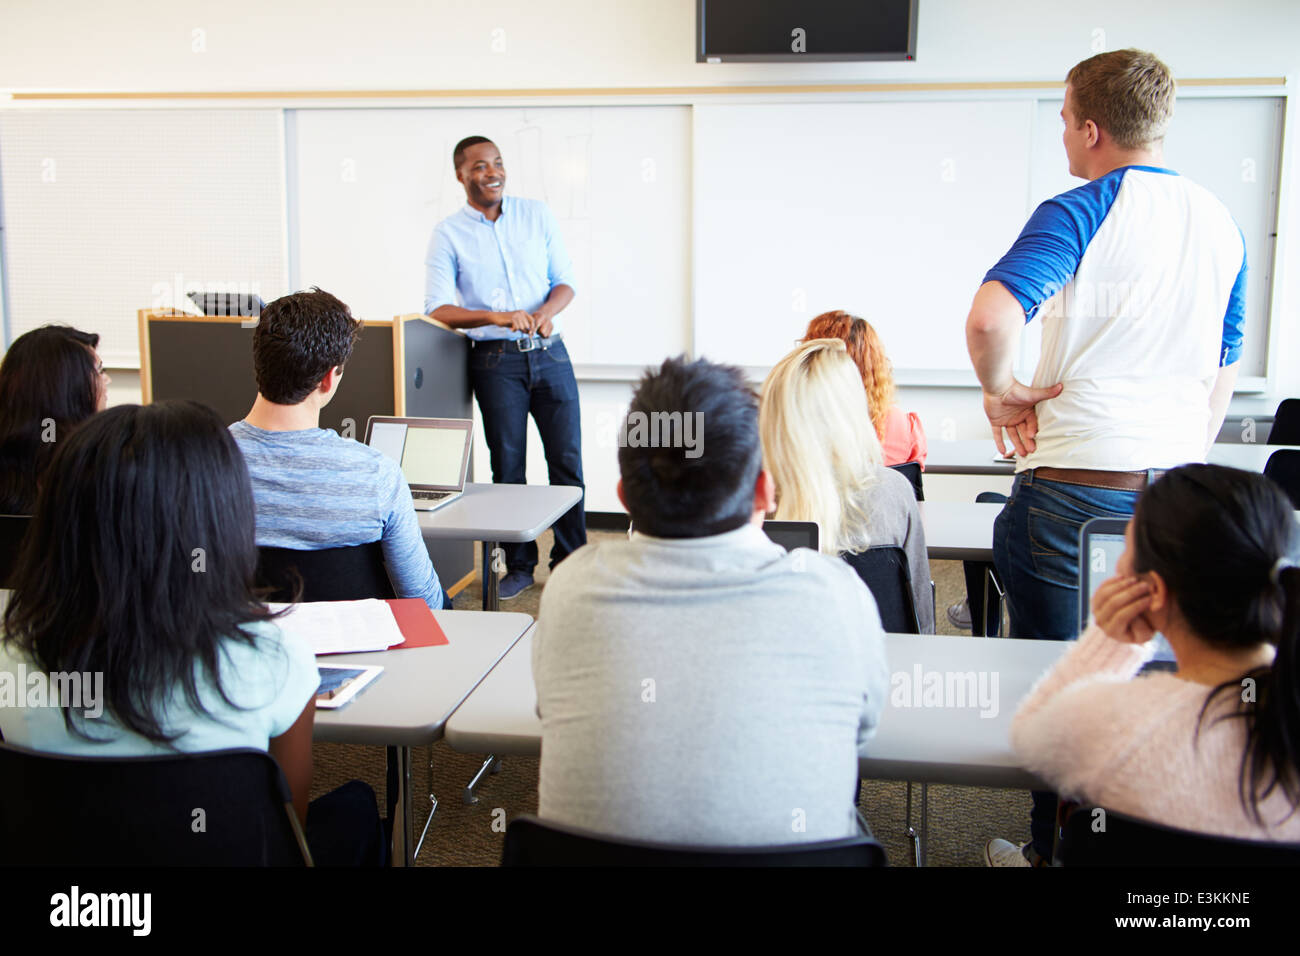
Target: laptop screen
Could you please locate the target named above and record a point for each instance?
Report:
(1102, 554)
(431, 456)
(793, 534)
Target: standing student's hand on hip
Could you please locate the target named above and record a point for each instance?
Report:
(1014, 410)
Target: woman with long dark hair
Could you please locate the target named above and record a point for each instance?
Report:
(139, 566)
(51, 380)
(1210, 563)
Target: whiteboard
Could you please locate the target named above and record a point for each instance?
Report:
(111, 211)
(1229, 145)
(372, 183)
(893, 211)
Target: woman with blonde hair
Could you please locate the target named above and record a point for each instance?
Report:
(901, 436)
(828, 467)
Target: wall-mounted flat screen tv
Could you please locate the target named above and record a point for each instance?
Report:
(782, 30)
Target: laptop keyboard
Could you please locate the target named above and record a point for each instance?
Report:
(431, 495)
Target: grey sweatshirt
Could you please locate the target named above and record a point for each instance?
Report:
(706, 690)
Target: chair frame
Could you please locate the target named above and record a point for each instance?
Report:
(675, 855)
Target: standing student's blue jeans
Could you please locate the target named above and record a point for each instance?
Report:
(510, 385)
(1036, 554)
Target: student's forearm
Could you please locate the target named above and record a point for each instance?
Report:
(993, 335)
(458, 318)
(1219, 399)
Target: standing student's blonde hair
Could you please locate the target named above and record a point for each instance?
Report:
(819, 443)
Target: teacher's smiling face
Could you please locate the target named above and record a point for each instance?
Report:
(483, 174)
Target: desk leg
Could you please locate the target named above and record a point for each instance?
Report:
(979, 629)
(491, 586)
(402, 815)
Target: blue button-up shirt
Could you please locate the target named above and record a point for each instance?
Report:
(512, 263)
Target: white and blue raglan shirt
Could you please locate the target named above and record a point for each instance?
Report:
(1139, 278)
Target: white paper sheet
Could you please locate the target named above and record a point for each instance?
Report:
(343, 627)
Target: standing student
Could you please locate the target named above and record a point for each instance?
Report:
(826, 462)
(902, 438)
(190, 659)
(313, 488)
(1209, 561)
(698, 684)
(1139, 277)
(504, 259)
(51, 381)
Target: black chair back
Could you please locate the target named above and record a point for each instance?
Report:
(911, 470)
(1284, 468)
(1094, 836)
(533, 842)
(12, 530)
(1286, 423)
(884, 570)
(330, 574)
(225, 808)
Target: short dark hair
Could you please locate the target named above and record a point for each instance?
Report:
(48, 375)
(671, 494)
(458, 154)
(298, 339)
(106, 581)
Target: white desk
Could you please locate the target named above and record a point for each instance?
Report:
(494, 513)
(1245, 457)
(408, 706)
(968, 456)
(959, 530)
(976, 457)
(926, 745)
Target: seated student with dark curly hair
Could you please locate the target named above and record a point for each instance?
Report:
(191, 661)
(1209, 562)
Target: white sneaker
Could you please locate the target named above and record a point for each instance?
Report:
(959, 615)
(1004, 853)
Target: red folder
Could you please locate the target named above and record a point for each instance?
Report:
(417, 623)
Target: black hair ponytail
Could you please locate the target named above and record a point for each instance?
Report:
(1226, 542)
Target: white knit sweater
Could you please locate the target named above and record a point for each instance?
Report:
(1100, 734)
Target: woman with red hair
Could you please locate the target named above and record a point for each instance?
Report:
(900, 433)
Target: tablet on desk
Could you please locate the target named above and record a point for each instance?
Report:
(340, 683)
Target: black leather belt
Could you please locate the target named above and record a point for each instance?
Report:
(519, 345)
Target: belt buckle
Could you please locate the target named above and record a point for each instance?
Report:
(532, 344)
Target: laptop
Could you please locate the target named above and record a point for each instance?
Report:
(1101, 542)
(433, 454)
(794, 534)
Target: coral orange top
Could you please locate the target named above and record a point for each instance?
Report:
(904, 438)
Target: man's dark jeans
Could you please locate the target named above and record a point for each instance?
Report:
(1036, 553)
(510, 385)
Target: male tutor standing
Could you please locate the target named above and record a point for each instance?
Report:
(1139, 280)
(504, 258)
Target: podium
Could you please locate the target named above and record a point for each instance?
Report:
(408, 365)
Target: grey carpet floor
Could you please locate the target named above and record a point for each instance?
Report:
(961, 819)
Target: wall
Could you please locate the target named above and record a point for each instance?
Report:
(476, 44)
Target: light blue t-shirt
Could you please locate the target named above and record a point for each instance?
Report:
(272, 679)
(314, 489)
